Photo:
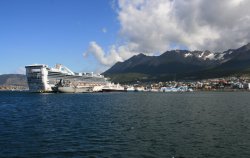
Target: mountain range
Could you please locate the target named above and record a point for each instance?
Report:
(182, 65)
(13, 80)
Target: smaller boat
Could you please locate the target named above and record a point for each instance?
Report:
(130, 89)
(85, 89)
(111, 87)
(97, 88)
(139, 89)
(69, 87)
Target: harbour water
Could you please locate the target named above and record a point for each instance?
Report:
(198, 124)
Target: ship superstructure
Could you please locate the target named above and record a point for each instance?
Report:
(42, 78)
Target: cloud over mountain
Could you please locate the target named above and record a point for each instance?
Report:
(154, 26)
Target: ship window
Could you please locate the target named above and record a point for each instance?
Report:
(36, 70)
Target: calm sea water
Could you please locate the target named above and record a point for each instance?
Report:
(204, 124)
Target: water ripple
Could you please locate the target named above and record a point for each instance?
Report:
(125, 125)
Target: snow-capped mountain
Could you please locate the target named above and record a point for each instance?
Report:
(185, 64)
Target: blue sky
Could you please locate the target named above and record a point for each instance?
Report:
(53, 31)
(92, 35)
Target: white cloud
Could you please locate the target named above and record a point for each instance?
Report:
(115, 53)
(153, 26)
(107, 59)
(197, 24)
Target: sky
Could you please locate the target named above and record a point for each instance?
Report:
(92, 35)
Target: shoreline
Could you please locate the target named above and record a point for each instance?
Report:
(221, 90)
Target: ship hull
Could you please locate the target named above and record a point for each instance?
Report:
(74, 89)
(113, 90)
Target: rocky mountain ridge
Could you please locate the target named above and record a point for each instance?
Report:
(182, 64)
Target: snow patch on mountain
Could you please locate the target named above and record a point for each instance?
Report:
(201, 55)
(210, 56)
(188, 54)
(221, 56)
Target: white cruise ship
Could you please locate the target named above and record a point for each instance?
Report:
(42, 78)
